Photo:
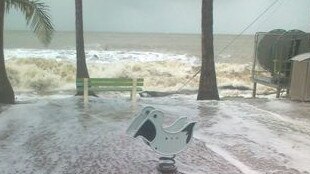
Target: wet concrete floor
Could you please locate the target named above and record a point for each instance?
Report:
(232, 136)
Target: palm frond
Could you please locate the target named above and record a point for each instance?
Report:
(37, 17)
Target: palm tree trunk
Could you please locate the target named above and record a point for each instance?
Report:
(6, 90)
(207, 84)
(82, 71)
(81, 67)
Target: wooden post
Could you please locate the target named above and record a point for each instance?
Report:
(254, 89)
(134, 89)
(85, 90)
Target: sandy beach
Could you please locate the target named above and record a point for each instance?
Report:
(58, 134)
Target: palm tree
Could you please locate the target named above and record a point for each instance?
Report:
(36, 15)
(81, 67)
(207, 84)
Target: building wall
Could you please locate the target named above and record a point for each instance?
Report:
(307, 96)
(300, 83)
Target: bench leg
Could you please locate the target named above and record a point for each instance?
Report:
(133, 94)
(278, 92)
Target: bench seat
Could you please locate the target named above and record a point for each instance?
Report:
(111, 84)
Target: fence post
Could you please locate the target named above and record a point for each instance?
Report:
(85, 91)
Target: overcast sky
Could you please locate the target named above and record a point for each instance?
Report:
(173, 16)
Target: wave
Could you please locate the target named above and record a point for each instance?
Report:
(46, 70)
(98, 56)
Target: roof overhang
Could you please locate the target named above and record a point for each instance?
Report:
(301, 57)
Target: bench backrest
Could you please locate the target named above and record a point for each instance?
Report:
(110, 84)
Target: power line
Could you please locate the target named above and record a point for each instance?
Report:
(271, 13)
(250, 25)
(234, 39)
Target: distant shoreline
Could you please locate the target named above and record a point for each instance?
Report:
(126, 33)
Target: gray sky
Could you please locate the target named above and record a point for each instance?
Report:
(173, 16)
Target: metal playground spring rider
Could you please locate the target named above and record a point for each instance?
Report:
(166, 141)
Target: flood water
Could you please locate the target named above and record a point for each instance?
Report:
(62, 135)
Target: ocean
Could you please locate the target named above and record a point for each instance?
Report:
(166, 61)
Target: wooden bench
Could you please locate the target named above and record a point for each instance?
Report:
(110, 84)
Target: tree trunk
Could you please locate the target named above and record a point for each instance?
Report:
(81, 68)
(207, 84)
(80, 51)
(6, 90)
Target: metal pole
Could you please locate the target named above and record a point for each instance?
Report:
(254, 65)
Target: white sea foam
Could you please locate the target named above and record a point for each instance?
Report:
(46, 69)
(99, 56)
